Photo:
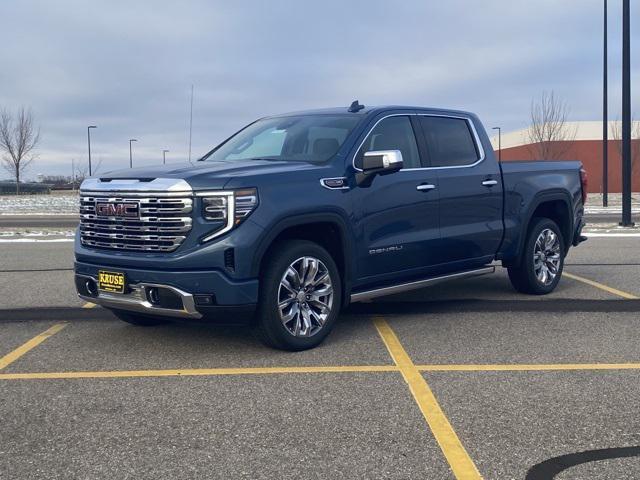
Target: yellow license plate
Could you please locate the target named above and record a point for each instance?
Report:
(111, 281)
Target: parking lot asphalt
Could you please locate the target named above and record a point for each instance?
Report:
(462, 380)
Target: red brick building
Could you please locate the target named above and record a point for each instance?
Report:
(586, 147)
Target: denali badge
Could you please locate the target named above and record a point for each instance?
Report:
(392, 248)
(118, 209)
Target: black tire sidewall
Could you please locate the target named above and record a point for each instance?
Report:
(268, 323)
(527, 262)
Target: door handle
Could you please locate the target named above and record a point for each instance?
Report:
(490, 183)
(425, 187)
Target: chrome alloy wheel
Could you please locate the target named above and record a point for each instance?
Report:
(546, 256)
(305, 297)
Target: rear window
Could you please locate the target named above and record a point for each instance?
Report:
(450, 141)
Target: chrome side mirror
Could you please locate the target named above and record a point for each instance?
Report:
(382, 161)
(378, 162)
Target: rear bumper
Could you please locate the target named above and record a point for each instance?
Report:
(195, 295)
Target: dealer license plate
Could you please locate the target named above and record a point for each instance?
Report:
(112, 282)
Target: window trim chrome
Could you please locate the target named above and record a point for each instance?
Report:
(472, 127)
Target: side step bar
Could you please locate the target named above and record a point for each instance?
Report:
(405, 287)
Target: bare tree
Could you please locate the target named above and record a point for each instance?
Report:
(616, 135)
(82, 171)
(18, 139)
(549, 135)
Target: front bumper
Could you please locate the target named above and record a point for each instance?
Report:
(197, 295)
(137, 298)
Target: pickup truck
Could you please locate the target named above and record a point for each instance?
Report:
(295, 216)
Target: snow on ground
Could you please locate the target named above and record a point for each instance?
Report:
(28, 233)
(55, 204)
(67, 204)
(34, 240)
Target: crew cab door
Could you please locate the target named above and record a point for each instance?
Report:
(470, 188)
(397, 214)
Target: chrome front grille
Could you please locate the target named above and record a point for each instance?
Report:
(162, 225)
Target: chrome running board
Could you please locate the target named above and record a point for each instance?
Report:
(405, 287)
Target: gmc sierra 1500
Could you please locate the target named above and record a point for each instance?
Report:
(296, 215)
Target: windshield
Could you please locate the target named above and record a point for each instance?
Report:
(304, 138)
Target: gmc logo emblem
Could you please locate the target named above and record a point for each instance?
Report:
(118, 209)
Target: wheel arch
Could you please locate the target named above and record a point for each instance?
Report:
(329, 230)
(552, 204)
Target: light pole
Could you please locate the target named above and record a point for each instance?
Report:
(164, 158)
(605, 120)
(130, 152)
(626, 116)
(89, 144)
(499, 142)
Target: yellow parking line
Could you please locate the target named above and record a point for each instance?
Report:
(528, 367)
(455, 453)
(601, 286)
(31, 344)
(190, 372)
(186, 372)
(89, 305)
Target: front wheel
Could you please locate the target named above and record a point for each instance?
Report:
(542, 261)
(300, 297)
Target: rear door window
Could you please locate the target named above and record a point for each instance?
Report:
(450, 141)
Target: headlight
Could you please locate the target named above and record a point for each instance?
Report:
(227, 209)
(215, 208)
(246, 202)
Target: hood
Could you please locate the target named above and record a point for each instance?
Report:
(209, 175)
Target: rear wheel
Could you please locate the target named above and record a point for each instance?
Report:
(300, 297)
(138, 319)
(542, 261)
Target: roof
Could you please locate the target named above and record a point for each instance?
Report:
(369, 109)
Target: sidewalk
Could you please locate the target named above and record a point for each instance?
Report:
(594, 203)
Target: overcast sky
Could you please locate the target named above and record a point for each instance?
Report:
(128, 66)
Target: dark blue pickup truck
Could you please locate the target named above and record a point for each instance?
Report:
(297, 215)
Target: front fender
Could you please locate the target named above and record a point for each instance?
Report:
(335, 217)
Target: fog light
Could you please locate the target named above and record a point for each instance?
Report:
(91, 287)
(153, 295)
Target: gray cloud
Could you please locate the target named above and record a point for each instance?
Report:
(128, 66)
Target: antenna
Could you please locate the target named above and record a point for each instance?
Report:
(190, 122)
(355, 107)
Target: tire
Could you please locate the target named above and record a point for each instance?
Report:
(540, 267)
(137, 319)
(300, 324)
